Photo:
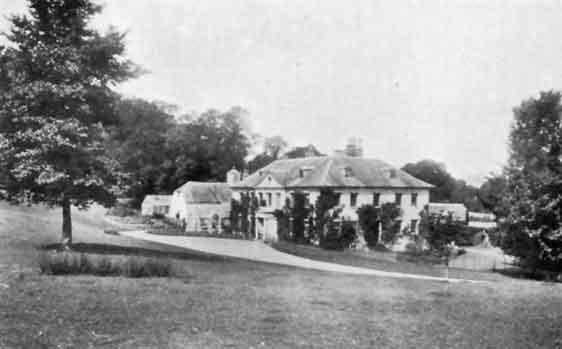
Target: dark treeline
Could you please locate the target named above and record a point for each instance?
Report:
(160, 152)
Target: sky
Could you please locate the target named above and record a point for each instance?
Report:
(413, 79)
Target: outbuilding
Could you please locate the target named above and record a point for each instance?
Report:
(198, 206)
(155, 205)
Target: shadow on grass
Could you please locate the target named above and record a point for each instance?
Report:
(136, 251)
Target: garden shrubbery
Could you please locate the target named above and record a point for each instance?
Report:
(68, 262)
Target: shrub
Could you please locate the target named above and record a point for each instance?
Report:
(369, 223)
(348, 233)
(68, 263)
(299, 211)
(338, 237)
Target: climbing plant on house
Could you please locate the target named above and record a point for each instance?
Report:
(327, 200)
(299, 213)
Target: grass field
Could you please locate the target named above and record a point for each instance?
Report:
(217, 302)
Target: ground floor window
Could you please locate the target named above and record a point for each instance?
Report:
(353, 199)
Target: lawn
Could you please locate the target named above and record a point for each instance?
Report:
(217, 302)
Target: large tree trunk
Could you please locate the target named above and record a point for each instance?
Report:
(66, 224)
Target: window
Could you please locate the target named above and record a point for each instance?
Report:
(278, 200)
(269, 199)
(261, 203)
(376, 199)
(352, 199)
(414, 199)
(392, 173)
(348, 172)
(413, 225)
(398, 199)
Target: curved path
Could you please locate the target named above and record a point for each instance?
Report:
(258, 251)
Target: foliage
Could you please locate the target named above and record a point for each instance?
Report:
(303, 152)
(369, 222)
(492, 195)
(447, 188)
(440, 232)
(204, 149)
(136, 141)
(235, 215)
(55, 100)
(348, 233)
(327, 200)
(283, 217)
(65, 263)
(533, 226)
(389, 212)
(299, 211)
(434, 173)
(259, 161)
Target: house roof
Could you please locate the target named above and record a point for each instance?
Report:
(205, 192)
(330, 171)
(161, 200)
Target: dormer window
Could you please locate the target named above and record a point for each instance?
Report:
(303, 171)
(346, 171)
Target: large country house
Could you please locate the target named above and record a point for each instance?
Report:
(358, 181)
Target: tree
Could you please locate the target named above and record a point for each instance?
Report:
(299, 212)
(303, 152)
(136, 142)
(204, 149)
(492, 195)
(369, 220)
(447, 188)
(388, 213)
(55, 100)
(434, 173)
(327, 200)
(272, 149)
(533, 226)
(440, 232)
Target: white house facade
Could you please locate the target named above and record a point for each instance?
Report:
(358, 180)
(196, 204)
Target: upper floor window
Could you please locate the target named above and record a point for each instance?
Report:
(414, 199)
(392, 173)
(376, 199)
(348, 172)
(398, 199)
(261, 201)
(353, 199)
(269, 199)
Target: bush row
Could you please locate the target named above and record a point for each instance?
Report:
(64, 263)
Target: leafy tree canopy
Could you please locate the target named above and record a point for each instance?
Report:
(303, 152)
(55, 100)
(534, 183)
(447, 188)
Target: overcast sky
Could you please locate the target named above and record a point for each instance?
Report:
(414, 79)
